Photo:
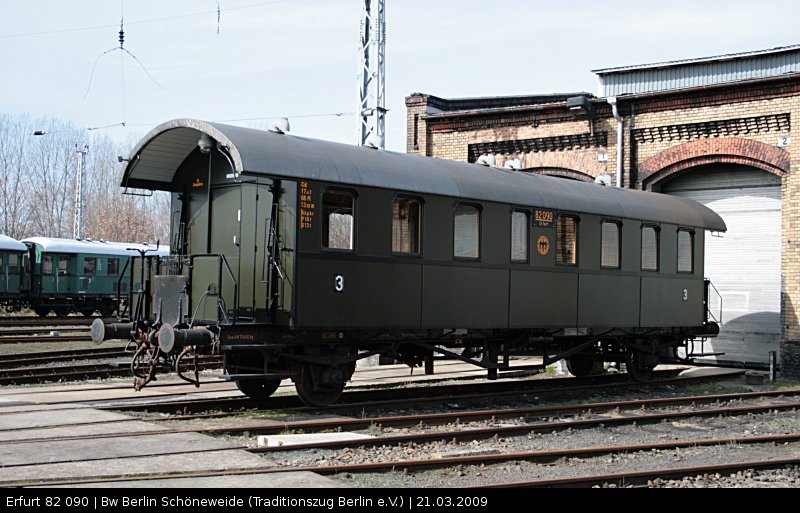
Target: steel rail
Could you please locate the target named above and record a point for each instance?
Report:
(28, 375)
(634, 478)
(414, 396)
(413, 465)
(464, 434)
(42, 340)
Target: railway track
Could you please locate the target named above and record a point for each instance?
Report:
(637, 413)
(45, 339)
(489, 459)
(32, 331)
(31, 321)
(362, 401)
(17, 360)
(626, 479)
(28, 375)
(556, 415)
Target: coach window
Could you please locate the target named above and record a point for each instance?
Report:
(89, 266)
(63, 265)
(651, 236)
(520, 230)
(685, 251)
(113, 266)
(567, 241)
(13, 263)
(338, 212)
(467, 232)
(47, 264)
(610, 242)
(406, 216)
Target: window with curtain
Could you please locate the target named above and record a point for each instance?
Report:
(520, 230)
(650, 246)
(567, 240)
(467, 232)
(406, 227)
(611, 243)
(685, 251)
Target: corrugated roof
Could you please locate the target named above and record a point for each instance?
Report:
(256, 152)
(682, 62)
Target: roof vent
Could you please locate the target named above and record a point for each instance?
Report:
(487, 160)
(604, 180)
(205, 144)
(279, 125)
(374, 141)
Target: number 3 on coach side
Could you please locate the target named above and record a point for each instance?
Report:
(338, 283)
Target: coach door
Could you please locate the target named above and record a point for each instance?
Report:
(744, 264)
(12, 263)
(3, 273)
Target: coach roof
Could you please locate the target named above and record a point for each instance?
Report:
(9, 244)
(95, 247)
(156, 158)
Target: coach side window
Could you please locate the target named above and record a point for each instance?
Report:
(467, 232)
(63, 265)
(113, 267)
(567, 241)
(520, 230)
(406, 217)
(610, 242)
(650, 245)
(47, 264)
(13, 263)
(338, 212)
(685, 251)
(89, 266)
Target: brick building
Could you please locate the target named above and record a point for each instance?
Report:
(723, 130)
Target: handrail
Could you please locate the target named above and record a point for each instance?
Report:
(710, 286)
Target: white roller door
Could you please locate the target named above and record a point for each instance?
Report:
(744, 264)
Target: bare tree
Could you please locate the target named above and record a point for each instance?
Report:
(14, 211)
(37, 185)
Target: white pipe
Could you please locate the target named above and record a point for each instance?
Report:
(612, 100)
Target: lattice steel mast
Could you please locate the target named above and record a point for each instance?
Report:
(372, 79)
(80, 180)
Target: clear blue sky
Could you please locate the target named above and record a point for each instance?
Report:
(300, 57)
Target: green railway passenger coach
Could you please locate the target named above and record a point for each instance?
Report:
(296, 257)
(12, 252)
(79, 275)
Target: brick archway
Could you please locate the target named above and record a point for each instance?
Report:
(663, 166)
(562, 173)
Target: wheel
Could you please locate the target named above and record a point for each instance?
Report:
(106, 311)
(581, 366)
(87, 312)
(250, 362)
(313, 394)
(639, 366)
(41, 311)
(258, 388)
